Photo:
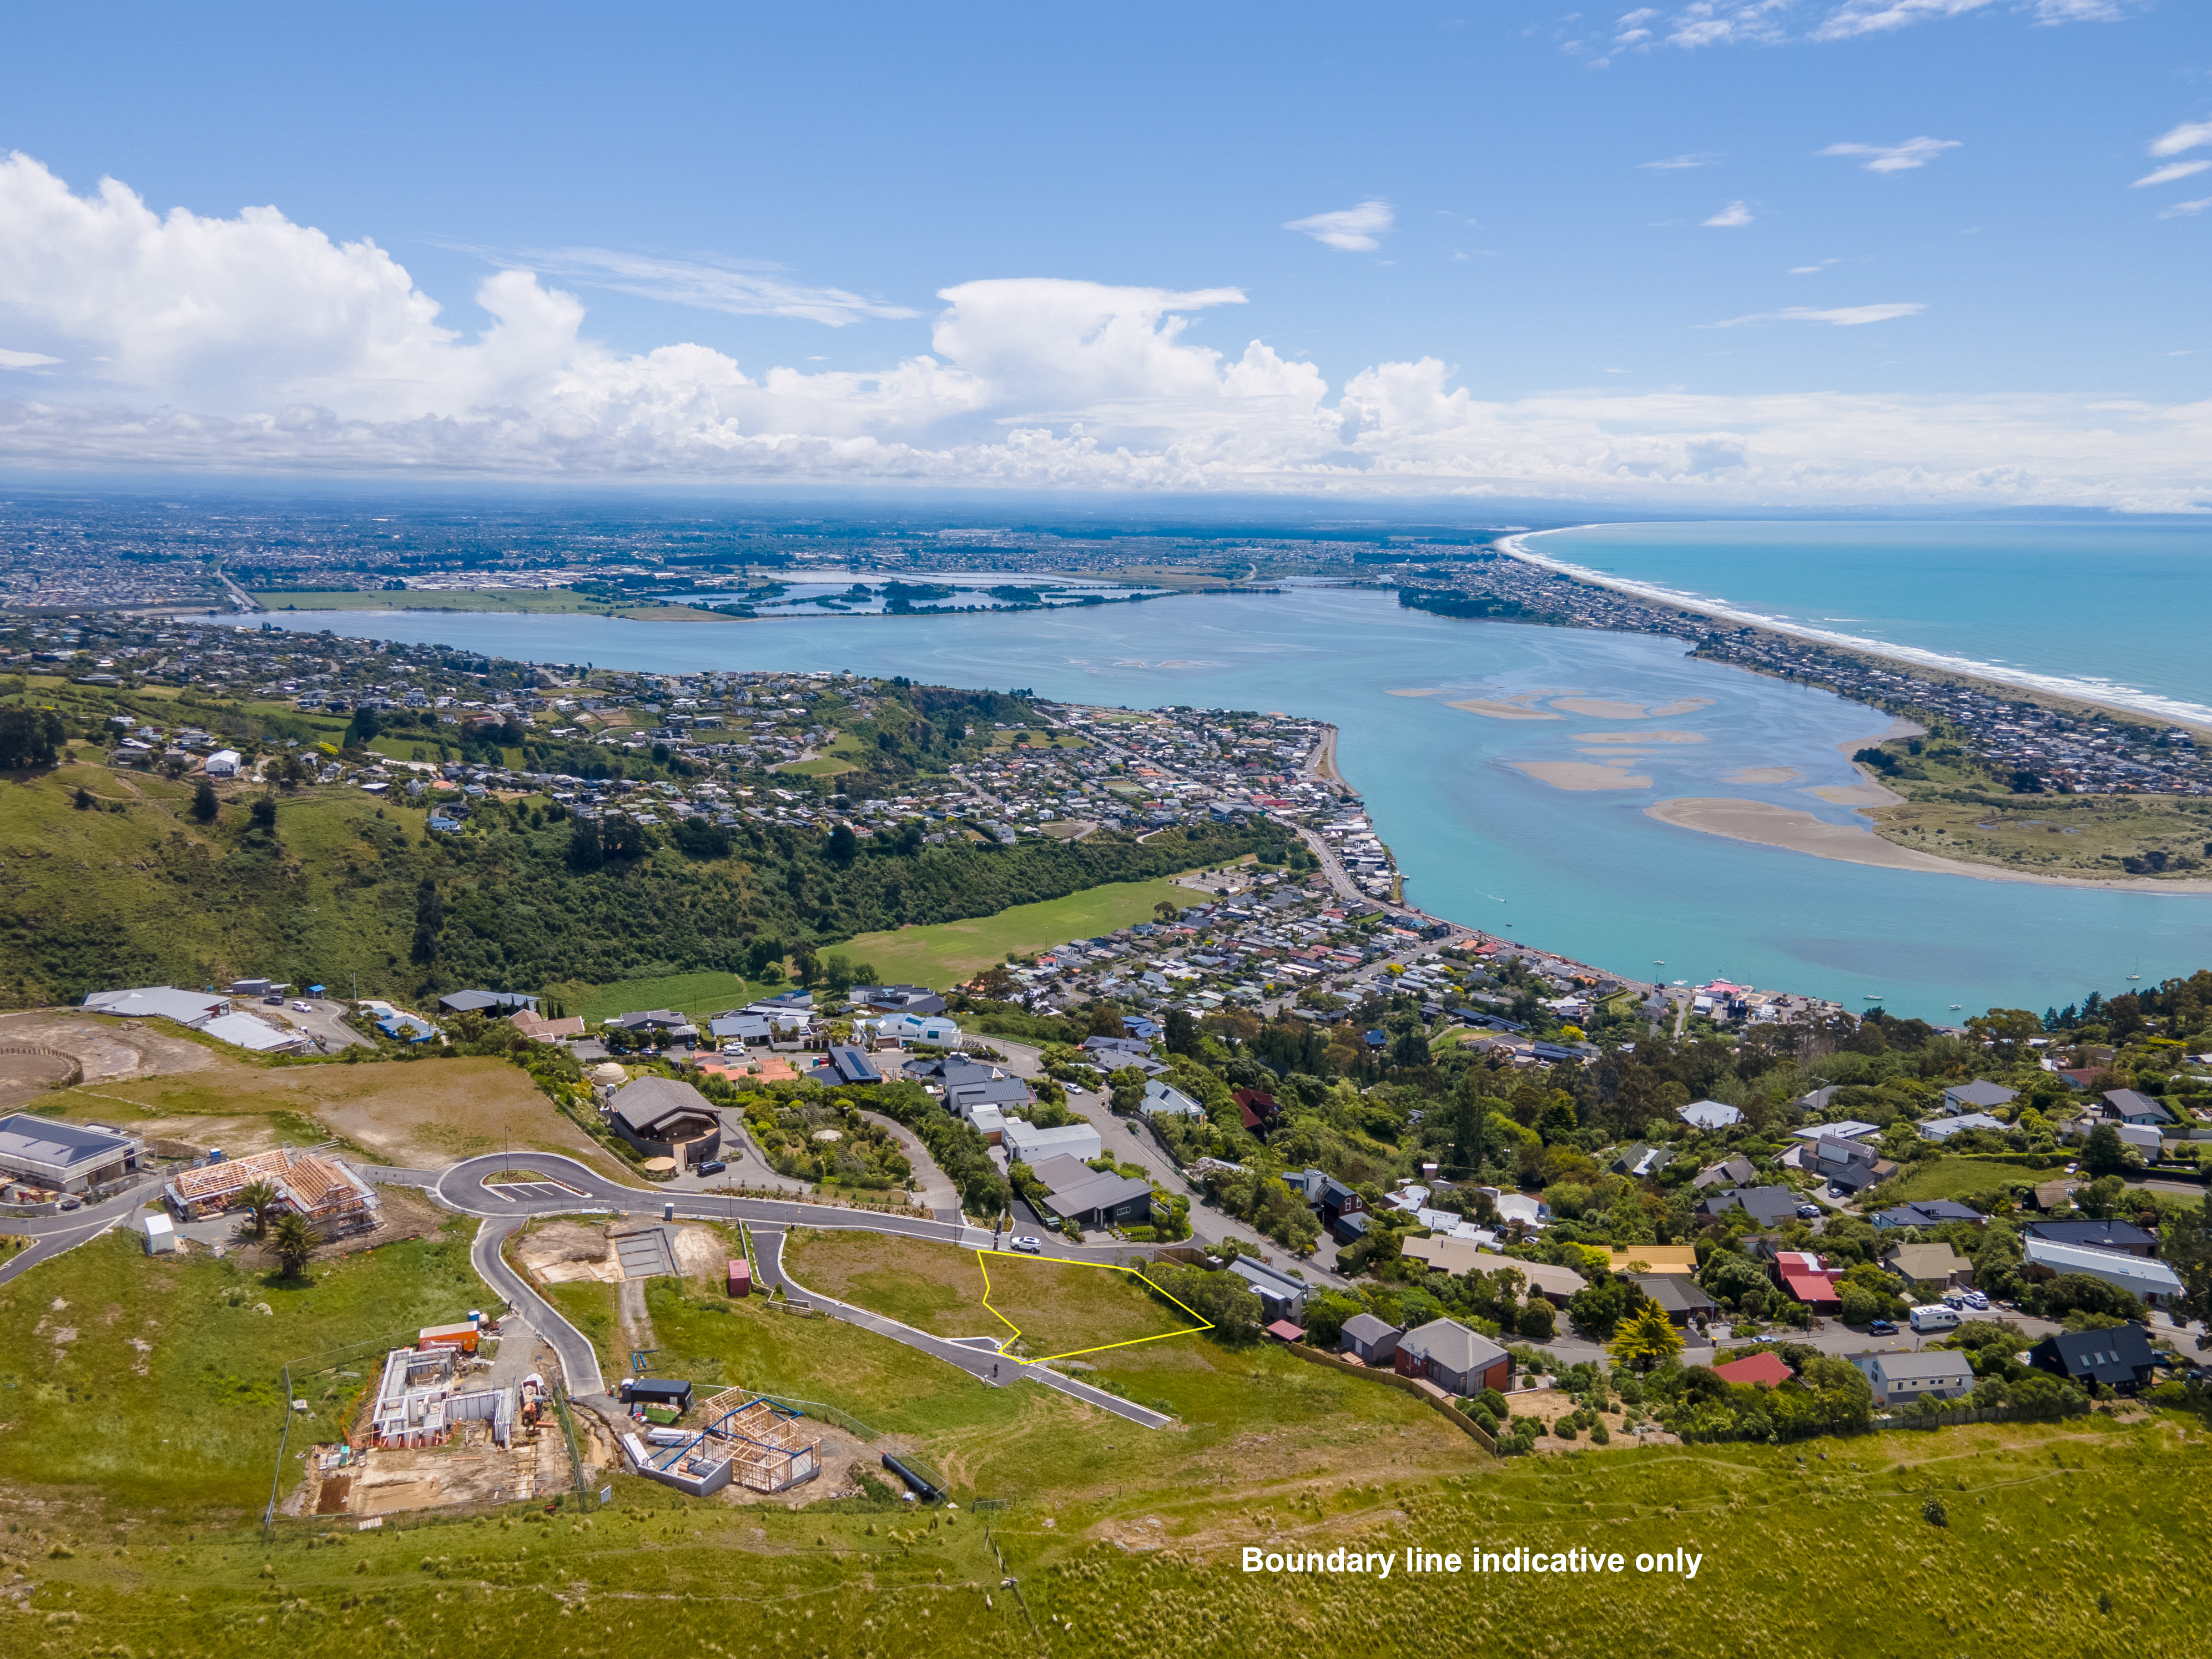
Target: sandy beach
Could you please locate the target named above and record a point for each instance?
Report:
(1640, 737)
(1504, 711)
(1767, 825)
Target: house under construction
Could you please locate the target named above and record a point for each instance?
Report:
(749, 1438)
(421, 1401)
(330, 1195)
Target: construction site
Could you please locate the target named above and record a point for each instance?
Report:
(459, 1417)
(331, 1197)
(744, 1438)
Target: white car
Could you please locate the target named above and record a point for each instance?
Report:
(1975, 1299)
(1034, 1246)
(305, 1007)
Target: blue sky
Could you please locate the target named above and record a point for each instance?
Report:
(1646, 252)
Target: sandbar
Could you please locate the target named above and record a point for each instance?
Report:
(1578, 774)
(1598, 708)
(1639, 737)
(1850, 794)
(1434, 690)
(1502, 711)
(1620, 752)
(1777, 774)
(1682, 706)
(1794, 832)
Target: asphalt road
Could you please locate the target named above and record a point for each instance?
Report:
(52, 1235)
(580, 1362)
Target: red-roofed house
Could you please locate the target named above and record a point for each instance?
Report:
(1768, 1368)
(1804, 1277)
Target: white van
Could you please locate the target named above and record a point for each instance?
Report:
(1934, 1317)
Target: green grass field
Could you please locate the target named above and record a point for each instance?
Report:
(1955, 1177)
(132, 1507)
(558, 600)
(1040, 1308)
(158, 1381)
(687, 993)
(821, 768)
(943, 953)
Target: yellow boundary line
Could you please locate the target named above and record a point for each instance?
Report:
(1204, 1323)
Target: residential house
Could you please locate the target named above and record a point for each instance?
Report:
(1849, 1166)
(2123, 1237)
(2119, 1357)
(1709, 1115)
(1165, 1100)
(2152, 1280)
(1091, 1198)
(663, 1118)
(1655, 1258)
(662, 1025)
(498, 1003)
(917, 1000)
(1027, 1144)
(1682, 1297)
(1848, 1128)
(1369, 1340)
(189, 1008)
(1769, 1207)
(2054, 1194)
(938, 1029)
(1641, 1160)
(1555, 1284)
(1979, 1095)
(1942, 1128)
(1457, 1360)
(846, 1064)
(1281, 1296)
(1769, 1368)
(1932, 1267)
(49, 1156)
(1805, 1277)
(964, 1095)
(1899, 1379)
(1525, 1208)
(1728, 1172)
(1114, 1053)
(2130, 1106)
(1926, 1212)
(1258, 1108)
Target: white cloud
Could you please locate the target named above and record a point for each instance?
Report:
(2188, 136)
(25, 359)
(743, 290)
(1857, 17)
(2185, 210)
(1896, 158)
(1349, 230)
(1812, 270)
(1730, 217)
(2170, 172)
(1679, 163)
(1767, 22)
(1836, 316)
(252, 344)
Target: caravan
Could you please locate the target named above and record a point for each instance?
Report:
(1934, 1317)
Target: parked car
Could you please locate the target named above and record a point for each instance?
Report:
(305, 1007)
(713, 1166)
(1881, 1327)
(1954, 1298)
(274, 1002)
(1808, 1212)
(1034, 1246)
(1976, 1300)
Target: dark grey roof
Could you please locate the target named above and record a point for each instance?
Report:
(1765, 1204)
(1677, 1293)
(1366, 1328)
(648, 1102)
(2132, 1103)
(22, 1136)
(852, 1065)
(1929, 1213)
(2113, 1355)
(461, 1002)
(2104, 1235)
(1981, 1092)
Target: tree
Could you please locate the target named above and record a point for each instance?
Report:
(1470, 1124)
(2105, 1153)
(430, 917)
(2189, 1252)
(292, 1242)
(1182, 1031)
(1536, 1321)
(584, 852)
(258, 1197)
(83, 801)
(361, 730)
(29, 737)
(1648, 1338)
(843, 844)
(1166, 911)
(263, 815)
(203, 802)
(1128, 1086)
(1221, 1299)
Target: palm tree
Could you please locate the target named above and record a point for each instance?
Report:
(260, 1197)
(292, 1243)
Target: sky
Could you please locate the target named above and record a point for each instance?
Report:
(1949, 253)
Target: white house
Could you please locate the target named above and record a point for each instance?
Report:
(1163, 1100)
(223, 764)
(1027, 1144)
(918, 1028)
(1899, 1379)
(1710, 1115)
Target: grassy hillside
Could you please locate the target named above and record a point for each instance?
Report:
(134, 890)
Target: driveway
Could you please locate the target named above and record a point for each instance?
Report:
(52, 1235)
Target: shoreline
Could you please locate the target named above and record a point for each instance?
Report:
(2043, 688)
(1761, 823)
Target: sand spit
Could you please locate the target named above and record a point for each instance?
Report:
(1578, 776)
(1639, 737)
(1767, 825)
(1777, 774)
(1432, 691)
(1598, 708)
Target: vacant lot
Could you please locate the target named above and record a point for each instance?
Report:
(687, 993)
(160, 1380)
(1955, 1177)
(1041, 1307)
(945, 952)
(422, 1113)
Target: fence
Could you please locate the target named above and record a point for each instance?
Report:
(1458, 1418)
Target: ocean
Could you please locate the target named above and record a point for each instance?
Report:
(2117, 612)
(1583, 872)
